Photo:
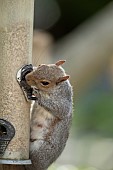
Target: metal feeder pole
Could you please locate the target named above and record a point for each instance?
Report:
(16, 28)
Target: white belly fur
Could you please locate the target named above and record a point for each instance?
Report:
(40, 122)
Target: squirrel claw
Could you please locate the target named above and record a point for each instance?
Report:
(32, 98)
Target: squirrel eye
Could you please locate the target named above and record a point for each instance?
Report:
(44, 83)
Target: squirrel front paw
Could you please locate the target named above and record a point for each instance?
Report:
(28, 91)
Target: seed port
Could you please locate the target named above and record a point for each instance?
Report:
(3, 130)
(7, 132)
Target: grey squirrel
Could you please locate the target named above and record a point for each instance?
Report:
(51, 115)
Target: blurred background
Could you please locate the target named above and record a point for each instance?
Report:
(81, 31)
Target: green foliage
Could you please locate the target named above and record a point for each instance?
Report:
(95, 114)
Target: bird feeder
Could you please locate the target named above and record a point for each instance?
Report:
(16, 25)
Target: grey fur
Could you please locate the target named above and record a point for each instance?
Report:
(50, 124)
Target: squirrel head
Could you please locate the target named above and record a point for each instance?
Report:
(45, 77)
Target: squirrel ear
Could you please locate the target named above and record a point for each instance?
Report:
(64, 78)
(60, 62)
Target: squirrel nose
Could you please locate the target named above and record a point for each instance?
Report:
(28, 77)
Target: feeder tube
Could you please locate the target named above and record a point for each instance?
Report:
(16, 27)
